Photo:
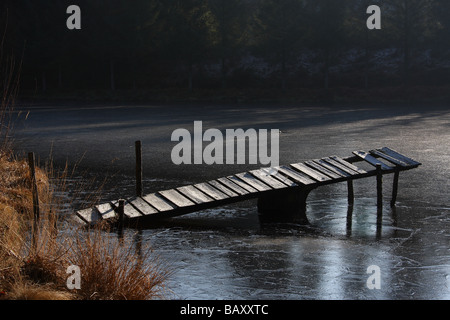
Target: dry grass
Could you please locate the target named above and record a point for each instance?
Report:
(12, 234)
(31, 291)
(16, 208)
(114, 269)
(110, 269)
(15, 185)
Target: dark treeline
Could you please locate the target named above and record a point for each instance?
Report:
(226, 44)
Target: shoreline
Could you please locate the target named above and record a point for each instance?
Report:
(399, 95)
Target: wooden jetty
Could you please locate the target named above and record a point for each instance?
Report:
(281, 193)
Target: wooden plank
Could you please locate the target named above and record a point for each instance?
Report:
(371, 159)
(176, 198)
(229, 192)
(348, 164)
(322, 169)
(268, 179)
(254, 182)
(388, 158)
(341, 167)
(142, 206)
(400, 157)
(276, 175)
(316, 175)
(194, 194)
(106, 210)
(332, 168)
(233, 186)
(242, 184)
(158, 202)
(211, 191)
(90, 215)
(296, 176)
(129, 211)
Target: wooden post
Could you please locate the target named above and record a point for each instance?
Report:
(379, 187)
(31, 163)
(139, 187)
(351, 195)
(121, 213)
(379, 195)
(395, 188)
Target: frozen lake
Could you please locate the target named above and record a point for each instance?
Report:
(225, 253)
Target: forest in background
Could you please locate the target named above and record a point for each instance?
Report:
(255, 48)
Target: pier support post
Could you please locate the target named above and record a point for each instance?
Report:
(379, 195)
(379, 187)
(121, 217)
(139, 186)
(288, 206)
(351, 195)
(395, 188)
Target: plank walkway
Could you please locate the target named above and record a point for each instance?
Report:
(250, 185)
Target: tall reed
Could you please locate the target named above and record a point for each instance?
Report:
(9, 88)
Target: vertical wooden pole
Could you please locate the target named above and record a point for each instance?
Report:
(139, 186)
(31, 163)
(121, 213)
(379, 187)
(379, 199)
(351, 195)
(395, 188)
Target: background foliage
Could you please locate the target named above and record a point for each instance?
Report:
(187, 45)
